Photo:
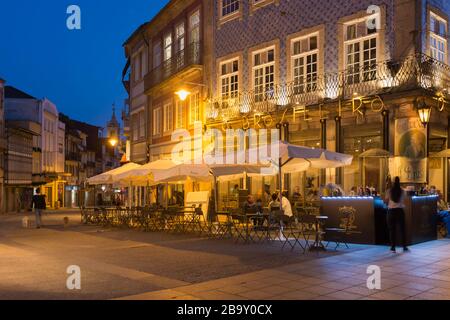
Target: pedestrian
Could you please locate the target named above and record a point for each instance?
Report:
(395, 197)
(39, 205)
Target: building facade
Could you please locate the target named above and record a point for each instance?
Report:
(341, 75)
(351, 77)
(3, 145)
(47, 147)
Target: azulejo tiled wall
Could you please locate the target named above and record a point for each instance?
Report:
(268, 23)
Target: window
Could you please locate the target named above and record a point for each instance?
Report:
(156, 55)
(137, 68)
(167, 47)
(263, 74)
(179, 38)
(157, 121)
(361, 48)
(135, 124)
(229, 7)
(229, 79)
(438, 38)
(194, 27)
(194, 108)
(168, 116)
(180, 44)
(305, 53)
(142, 124)
(179, 121)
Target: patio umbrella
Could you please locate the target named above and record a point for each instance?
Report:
(144, 174)
(110, 177)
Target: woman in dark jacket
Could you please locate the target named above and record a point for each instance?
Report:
(395, 198)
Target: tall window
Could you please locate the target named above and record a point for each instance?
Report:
(168, 116)
(167, 47)
(194, 108)
(135, 124)
(157, 121)
(305, 54)
(438, 38)
(229, 7)
(361, 46)
(142, 124)
(194, 27)
(264, 74)
(157, 55)
(179, 120)
(229, 79)
(180, 44)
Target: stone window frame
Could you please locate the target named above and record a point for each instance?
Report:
(381, 37)
(225, 59)
(259, 48)
(320, 32)
(230, 17)
(261, 4)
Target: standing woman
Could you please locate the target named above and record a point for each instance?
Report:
(395, 197)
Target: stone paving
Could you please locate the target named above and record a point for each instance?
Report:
(126, 264)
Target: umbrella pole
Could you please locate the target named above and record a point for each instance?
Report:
(280, 182)
(216, 195)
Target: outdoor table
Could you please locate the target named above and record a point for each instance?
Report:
(318, 245)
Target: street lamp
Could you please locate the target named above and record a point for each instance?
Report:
(113, 142)
(424, 112)
(182, 94)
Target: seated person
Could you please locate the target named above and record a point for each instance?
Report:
(274, 205)
(286, 204)
(444, 213)
(296, 196)
(251, 206)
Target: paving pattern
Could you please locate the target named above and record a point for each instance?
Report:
(124, 264)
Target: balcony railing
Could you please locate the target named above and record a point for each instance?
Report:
(190, 56)
(73, 156)
(414, 72)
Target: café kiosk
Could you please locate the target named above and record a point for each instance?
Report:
(368, 223)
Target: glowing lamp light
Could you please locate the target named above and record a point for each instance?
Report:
(182, 94)
(113, 142)
(424, 112)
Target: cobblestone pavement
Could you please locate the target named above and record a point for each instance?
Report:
(127, 264)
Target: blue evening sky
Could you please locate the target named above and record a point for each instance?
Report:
(81, 70)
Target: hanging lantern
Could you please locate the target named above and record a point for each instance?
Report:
(424, 112)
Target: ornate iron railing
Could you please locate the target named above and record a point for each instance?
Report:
(190, 56)
(414, 72)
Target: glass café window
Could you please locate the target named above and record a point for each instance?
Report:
(360, 52)
(438, 40)
(263, 73)
(229, 79)
(304, 64)
(229, 7)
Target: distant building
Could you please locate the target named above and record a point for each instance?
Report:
(81, 146)
(19, 164)
(2, 144)
(48, 147)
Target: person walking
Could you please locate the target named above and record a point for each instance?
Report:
(395, 198)
(39, 205)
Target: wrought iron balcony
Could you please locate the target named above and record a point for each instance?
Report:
(414, 72)
(73, 156)
(190, 56)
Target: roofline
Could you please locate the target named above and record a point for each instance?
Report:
(144, 25)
